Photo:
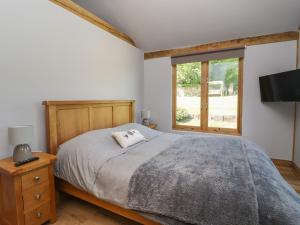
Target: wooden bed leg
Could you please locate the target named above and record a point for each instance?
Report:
(57, 197)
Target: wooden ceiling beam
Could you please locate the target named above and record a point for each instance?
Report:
(87, 15)
(264, 39)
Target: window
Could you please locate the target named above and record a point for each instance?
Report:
(207, 94)
(188, 101)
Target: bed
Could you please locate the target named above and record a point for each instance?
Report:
(168, 179)
(67, 119)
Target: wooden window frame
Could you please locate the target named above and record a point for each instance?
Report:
(204, 102)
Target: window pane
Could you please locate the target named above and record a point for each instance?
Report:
(222, 93)
(188, 94)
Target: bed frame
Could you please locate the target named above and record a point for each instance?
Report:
(67, 119)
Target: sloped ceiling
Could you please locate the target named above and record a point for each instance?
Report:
(165, 24)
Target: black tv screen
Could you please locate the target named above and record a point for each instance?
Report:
(280, 87)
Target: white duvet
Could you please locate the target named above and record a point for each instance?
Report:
(95, 163)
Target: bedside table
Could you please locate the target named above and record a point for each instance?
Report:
(152, 125)
(27, 192)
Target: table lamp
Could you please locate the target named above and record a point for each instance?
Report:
(145, 117)
(21, 136)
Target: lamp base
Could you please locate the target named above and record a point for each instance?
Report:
(22, 152)
(146, 122)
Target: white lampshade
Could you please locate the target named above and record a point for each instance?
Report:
(20, 135)
(146, 114)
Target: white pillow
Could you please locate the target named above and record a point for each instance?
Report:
(128, 138)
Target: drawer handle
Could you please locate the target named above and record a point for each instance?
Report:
(39, 214)
(38, 196)
(36, 179)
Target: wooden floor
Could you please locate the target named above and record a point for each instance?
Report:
(291, 176)
(72, 211)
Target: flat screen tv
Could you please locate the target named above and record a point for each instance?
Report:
(280, 87)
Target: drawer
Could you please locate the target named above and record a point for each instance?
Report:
(39, 215)
(36, 196)
(35, 177)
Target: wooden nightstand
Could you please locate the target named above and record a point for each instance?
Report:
(152, 125)
(27, 193)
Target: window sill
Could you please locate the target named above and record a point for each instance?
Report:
(211, 131)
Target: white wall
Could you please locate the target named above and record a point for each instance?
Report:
(47, 52)
(270, 125)
(158, 91)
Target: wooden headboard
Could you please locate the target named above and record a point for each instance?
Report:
(67, 119)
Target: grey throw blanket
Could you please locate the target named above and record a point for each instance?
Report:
(210, 180)
(278, 203)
